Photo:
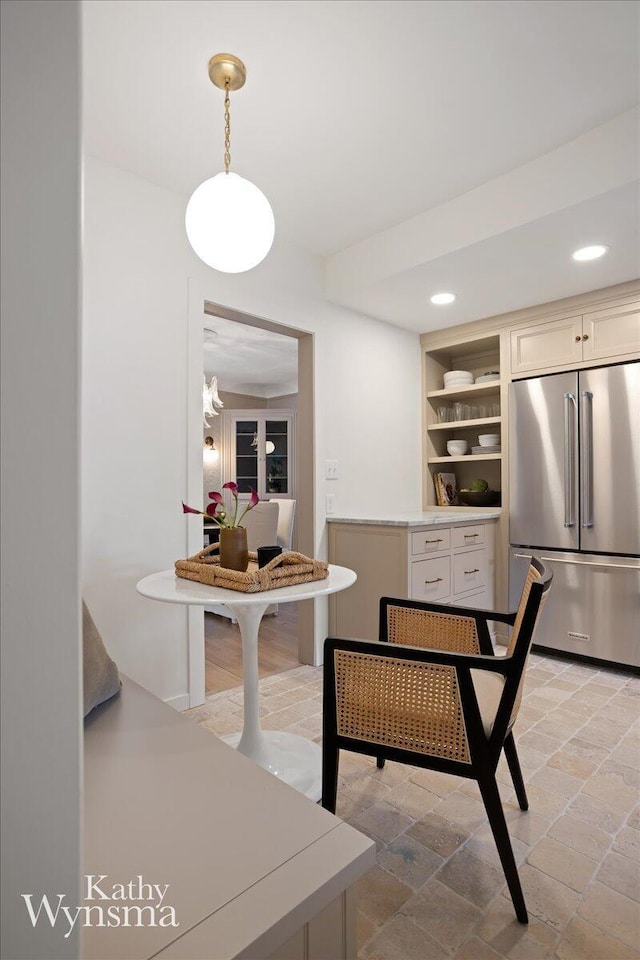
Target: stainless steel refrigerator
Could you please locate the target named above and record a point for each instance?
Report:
(574, 491)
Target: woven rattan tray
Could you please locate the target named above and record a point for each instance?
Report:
(283, 571)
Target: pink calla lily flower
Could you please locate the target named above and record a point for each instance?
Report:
(215, 510)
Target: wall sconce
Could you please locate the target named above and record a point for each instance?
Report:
(210, 453)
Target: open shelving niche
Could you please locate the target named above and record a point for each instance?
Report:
(478, 355)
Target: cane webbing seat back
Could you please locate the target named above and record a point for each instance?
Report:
(426, 628)
(400, 703)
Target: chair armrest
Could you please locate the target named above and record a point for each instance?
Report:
(475, 661)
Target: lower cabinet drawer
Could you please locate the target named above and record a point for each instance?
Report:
(431, 579)
(478, 601)
(471, 536)
(469, 571)
(431, 541)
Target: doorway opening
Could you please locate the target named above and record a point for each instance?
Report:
(262, 438)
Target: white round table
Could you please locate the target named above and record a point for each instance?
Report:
(294, 759)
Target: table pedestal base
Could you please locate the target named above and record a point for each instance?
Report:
(294, 759)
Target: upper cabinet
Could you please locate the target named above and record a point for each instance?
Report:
(605, 334)
(554, 344)
(611, 333)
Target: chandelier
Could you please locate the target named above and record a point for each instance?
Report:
(229, 221)
(210, 400)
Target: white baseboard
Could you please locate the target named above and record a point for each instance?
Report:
(181, 702)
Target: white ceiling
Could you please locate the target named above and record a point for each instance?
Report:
(361, 114)
(250, 360)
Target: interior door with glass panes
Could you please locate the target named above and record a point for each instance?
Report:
(259, 452)
(245, 457)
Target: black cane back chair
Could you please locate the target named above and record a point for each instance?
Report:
(434, 695)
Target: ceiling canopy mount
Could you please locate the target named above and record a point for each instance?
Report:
(227, 72)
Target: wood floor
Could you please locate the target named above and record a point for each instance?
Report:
(277, 648)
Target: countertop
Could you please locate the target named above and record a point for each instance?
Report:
(247, 859)
(418, 518)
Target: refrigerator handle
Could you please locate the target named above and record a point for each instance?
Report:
(570, 408)
(587, 457)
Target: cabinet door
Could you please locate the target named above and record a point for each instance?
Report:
(611, 333)
(554, 344)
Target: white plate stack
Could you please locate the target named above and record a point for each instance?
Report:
(484, 450)
(489, 443)
(457, 378)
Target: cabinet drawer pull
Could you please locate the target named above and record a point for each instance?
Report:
(468, 536)
(437, 580)
(586, 336)
(439, 540)
(475, 570)
(578, 338)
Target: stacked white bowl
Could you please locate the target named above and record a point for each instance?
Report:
(457, 448)
(489, 439)
(457, 378)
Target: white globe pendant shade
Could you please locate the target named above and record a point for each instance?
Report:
(230, 223)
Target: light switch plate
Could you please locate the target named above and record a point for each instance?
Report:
(330, 502)
(331, 469)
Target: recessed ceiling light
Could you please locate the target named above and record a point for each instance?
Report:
(593, 252)
(443, 298)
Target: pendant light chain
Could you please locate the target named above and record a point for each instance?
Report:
(227, 127)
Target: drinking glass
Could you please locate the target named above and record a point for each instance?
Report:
(458, 411)
(443, 414)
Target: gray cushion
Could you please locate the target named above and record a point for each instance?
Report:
(489, 688)
(99, 673)
(262, 524)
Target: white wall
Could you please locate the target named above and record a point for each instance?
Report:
(289, 400)
(139, 271)
(41, 679)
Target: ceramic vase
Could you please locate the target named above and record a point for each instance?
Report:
(234, 553)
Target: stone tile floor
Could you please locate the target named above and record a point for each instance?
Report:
(438, 890)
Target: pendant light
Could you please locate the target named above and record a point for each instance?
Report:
(229, 221)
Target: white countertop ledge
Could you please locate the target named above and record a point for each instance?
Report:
(416, 518)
